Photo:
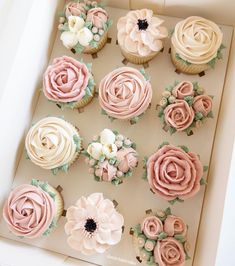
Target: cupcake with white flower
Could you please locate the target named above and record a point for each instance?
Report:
(93, 224)
(33, 210)
(84, 26)
(184, 107)
(196, 45)
(161, 239)
(111, 157)
(53, 144)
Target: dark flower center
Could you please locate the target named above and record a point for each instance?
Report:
(90, 225)
(142, 24)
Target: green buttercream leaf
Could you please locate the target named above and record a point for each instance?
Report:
(142, 71)
(172, 202)
(116, 181)
(172, 130)
(210, 114)
(65, 168)
(103, 112)
(189, 100)
(134, 120)
(88, 25)
(137, 229)
(55, 171)
(161, 111)
(212, 63)
(102, 158)
(79, 48)
(52, 194)
(145, 160)
(44, 186)
(89, 66)
(169, 88)
(61, 14)
(133, 145)
(93, 44)
(112, 161)
(162, 235)
(187, 257)
(164, 143)
(195, 86)
(203, 182)
(145, 175)
(177, 56)
(128, 173)
(205, 168)
(83, 16)
(184, 148)
(180, 238)
(34, 182)
(109, 23)
(97, 178)
(198, 116)
(111, 118)
(64, 27)
(168, 211)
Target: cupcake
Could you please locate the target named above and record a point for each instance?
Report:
(196, 45)
(52, 143)
(174, 173)
(111, 157)
(93, 224)
(184, 106)
(125, 93)
(69, 83)
(84, 26)
(32, 211)
(161, 239)
(140, 35)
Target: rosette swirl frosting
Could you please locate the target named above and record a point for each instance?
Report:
(139, 32)
(173, 173)
(125, 93)
(65, 80)
(49, 143)
(28, 211)
(197, 40)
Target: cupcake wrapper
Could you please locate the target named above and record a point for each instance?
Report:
(101, 44)
(84, 102)
(188, 69)
(59, 202)
(135, 59)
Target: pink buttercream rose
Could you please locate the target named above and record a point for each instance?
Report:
(174, 225)
(107, 171)
(172, 173)
(65, 80)
(97, 16)
(125, 93)
(169, 251)
(202, 104)
(183, 89)
(127, 159)
(152, 227)
(179, 115)
(28, 211)
(74, 9)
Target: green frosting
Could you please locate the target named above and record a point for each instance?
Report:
(218, 56)
(43, 186)
(172, 202)
(177, 56)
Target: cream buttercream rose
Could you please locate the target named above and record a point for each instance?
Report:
(197, 40)
(173, 173)
(29, 211)
(52, 143)
(125, 93)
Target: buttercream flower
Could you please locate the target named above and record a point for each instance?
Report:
(107, 171)
(183, 89)
(109, 150)
(169, 251)
(179, 115)
(29, 211)
(65, 80)
(139, 32)
(84, 36)
(149, 245)
(93, 224)
(125, 93)
(173, 173)
(95, 150)
(107, 136)
(197, 40)
(69, 39)
(75, 23)
(97, 16)
(174, 225)
(152, 227)
(202, 104)
(74, 9)
(127, 159)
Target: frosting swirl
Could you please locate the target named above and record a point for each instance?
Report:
(152, 227)
(125, 93)
(49, 143)
(197, 40)
(179, 115)
(93, 224)
(65, 80)
(140, 33)
(173, 173)
(28, 211)
(97, 16)
(169, 251)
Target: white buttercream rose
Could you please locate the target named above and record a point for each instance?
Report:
(107, 136)
(95, 150)
(69, 39)
(84, 36)
(75, 23)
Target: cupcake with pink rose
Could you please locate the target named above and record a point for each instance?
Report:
(69, 83)
(184, 106)
(125, 94)
(141, 35)
(93, 224)
(33, 210)
(174, 173)
(111, 157)
(84, 26)
(161, 239)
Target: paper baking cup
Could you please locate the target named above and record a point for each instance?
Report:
(135, 59)
(188, 69)
(59, 202)
(101, 44)
(86, 100)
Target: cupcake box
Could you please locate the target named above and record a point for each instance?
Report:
(133, 196)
